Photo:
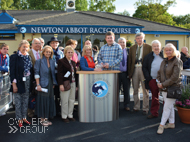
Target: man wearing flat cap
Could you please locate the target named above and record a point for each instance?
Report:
(58, 54)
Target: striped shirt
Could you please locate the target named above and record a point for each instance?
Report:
(111, 54)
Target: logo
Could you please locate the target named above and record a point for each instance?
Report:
(22, 29)
(100, 89)
(35, 126)
(137, 30)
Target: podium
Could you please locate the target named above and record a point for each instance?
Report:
(98, 99)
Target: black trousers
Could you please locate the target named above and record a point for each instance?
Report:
(57, 98)
(126, 87)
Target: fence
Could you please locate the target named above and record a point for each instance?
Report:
(5, 95)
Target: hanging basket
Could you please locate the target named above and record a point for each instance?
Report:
(184, 115)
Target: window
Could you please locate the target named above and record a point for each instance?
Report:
(174, 42)
(7, 36)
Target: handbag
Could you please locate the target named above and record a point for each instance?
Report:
(173, 92)
(67, 85)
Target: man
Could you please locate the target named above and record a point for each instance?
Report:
(136, 55)
(35, 51)
(123, 76)
(42, 43)
(58, 54)
(88, 42)
(151, 66)
(110, 54)
(35, 54)
(184, 54)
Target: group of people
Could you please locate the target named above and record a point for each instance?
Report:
(52, 71)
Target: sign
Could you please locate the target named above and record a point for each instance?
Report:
(100, 89)
(79, 29)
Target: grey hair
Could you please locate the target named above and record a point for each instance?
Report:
(122, 38)
(156, 42)
(140, 34)
(35, 39)
(41, 39)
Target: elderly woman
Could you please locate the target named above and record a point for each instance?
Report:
(67, 72)
(20, 70)
(151, 65)
(44, 70)
(87, 62)
(169, 75)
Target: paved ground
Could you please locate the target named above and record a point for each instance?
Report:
(129, 128)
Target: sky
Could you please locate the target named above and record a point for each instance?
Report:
(181, 8)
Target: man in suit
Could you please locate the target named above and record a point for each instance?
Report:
(35, 51)
(35, 54)
(136, 55)
(123, 76)
(184, 54)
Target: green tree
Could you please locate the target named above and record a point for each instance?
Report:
(81, 5)
(6, 4)
(125, 12)
(153, 10)
(102, 5)
(20, 4)
(182, 19)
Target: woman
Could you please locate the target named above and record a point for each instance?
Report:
(67, 71)
(169, 75)
(151, 65)
(20, 70)
(87, 62)
(44, 70)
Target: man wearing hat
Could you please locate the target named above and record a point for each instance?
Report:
(58, 54)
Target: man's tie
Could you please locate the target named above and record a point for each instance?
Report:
(37, 56)
(139, 48)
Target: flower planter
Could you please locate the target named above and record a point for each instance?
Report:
(184, 115)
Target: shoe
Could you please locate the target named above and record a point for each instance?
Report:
(169, 125)
(65, 120)
(44, 123)
(49, 122)
(20, 124)
(72, 119)
(127, 108)
(26, 121)
(151, 116)
(160, 130)
(145, 112)
(134, 111)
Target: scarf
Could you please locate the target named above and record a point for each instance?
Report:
(27, 63)
(57, 56)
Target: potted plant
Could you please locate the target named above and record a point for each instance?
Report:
(183, 105)
(129, 43)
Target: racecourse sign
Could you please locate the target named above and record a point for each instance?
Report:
(79, 29)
